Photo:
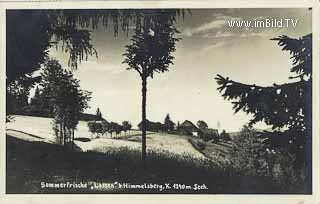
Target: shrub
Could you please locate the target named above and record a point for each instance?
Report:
(208, 135)
(285, 173)
(201, 145)
(225, 136)
(197, 144)
(249, 155)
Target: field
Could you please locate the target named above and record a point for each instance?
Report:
(32, 158)
(42, 130)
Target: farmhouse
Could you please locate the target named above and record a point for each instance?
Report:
(152, 126)
(188, 128)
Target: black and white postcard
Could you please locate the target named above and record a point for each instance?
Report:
(156, 100)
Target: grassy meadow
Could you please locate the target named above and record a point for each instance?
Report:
(32, 157)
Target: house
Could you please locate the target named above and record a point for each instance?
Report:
(188, 128)
(152, 126)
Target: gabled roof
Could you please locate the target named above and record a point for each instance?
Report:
(188, 123)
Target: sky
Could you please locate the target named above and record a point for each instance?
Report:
(188, 90)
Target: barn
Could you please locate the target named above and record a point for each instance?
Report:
(188, 128)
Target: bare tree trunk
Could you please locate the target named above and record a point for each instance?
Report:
(64, 134)
(61, 134)
(144, 118)
(72, 139)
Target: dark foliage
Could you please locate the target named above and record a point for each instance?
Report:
(169, 124)
(287, 107)
(30, 33)
(62, 91)
(202, 125)
(98, 114)
(225, 136)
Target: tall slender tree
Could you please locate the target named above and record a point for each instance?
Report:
(150, 52)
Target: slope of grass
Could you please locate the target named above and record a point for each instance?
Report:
(42, 128)
(33, 158)
(29, 163)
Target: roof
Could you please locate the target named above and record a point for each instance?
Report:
(188, 123)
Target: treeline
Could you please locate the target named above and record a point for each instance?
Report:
(101, 127)
(38, 106)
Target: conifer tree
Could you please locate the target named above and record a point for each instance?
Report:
(286, 107)
(168, 123)
(98, 114)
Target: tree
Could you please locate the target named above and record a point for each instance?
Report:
(39, 30)
(150, 52)
(118, 128)
(126, 125)
(36, 103)
(17, 94)
(31, 33)
(104, 126)
(92, 127)
(112, 128)
(98, 114)
(286, 107)
(66, 98)
(202, 125)
(225, 136)
(168, 123)
(248, 155)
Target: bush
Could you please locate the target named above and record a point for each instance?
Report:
(285, 173)
(248, 154)
(250, 157)
(225, 136)
(208, 135)
(201, 145)
(197, 144)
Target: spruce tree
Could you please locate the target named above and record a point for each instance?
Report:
(286, 107)
(168, 123)
(98, 114)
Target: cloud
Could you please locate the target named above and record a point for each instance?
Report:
(264, 33)
(219, 21)
(102, 67)
(214, 46)
(219, 34)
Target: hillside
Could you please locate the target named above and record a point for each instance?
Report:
(24, 126)
(32, 157)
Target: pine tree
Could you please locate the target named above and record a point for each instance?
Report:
(98, 114)
(168, 123)
(286, 107)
